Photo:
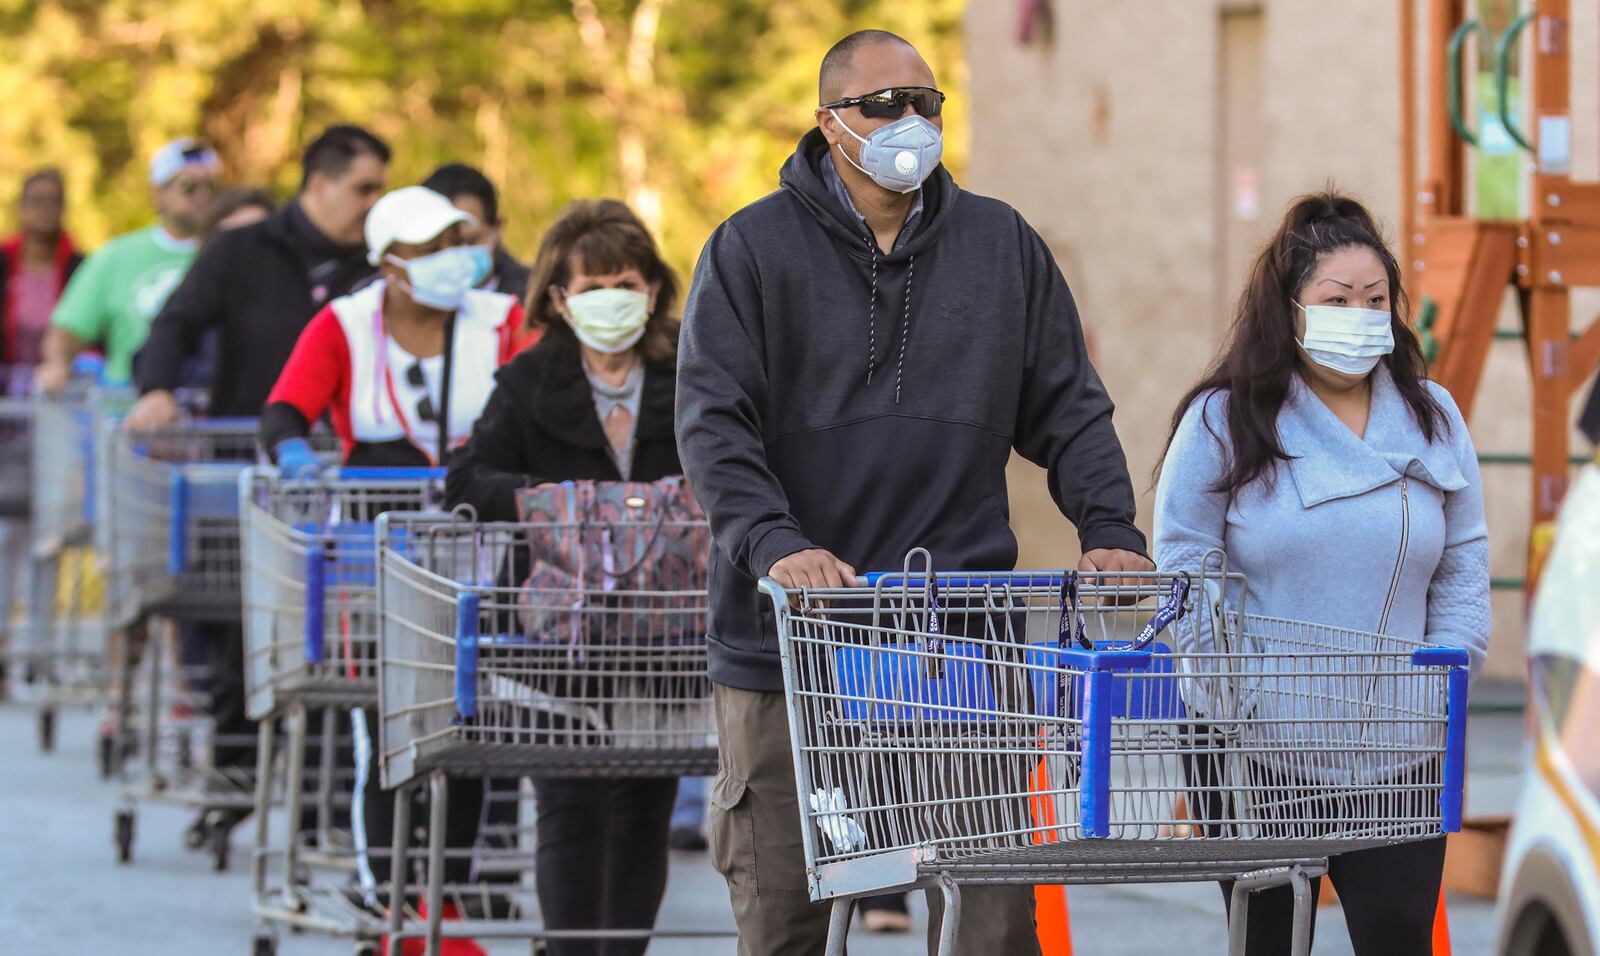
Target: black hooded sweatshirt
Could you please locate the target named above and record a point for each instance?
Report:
(834, 396)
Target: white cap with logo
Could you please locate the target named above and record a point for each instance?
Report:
(180, 154)
(412, 215)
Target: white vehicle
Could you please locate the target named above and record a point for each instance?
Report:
(1550, 887)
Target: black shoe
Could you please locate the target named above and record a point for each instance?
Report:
(686, 838)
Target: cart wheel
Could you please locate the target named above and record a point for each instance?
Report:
(104, 756)
(197, 834)
(221, 839)
(265, 944)
(367, 947)
(47, 730)
(124, 831)
(185, 751)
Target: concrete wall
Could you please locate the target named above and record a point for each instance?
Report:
(1109, 138)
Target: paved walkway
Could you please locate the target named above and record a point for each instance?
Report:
(64, 895)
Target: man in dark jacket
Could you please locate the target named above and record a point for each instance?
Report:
(258, 286)
(861, 351)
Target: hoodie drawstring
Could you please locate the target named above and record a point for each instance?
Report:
(872, 320)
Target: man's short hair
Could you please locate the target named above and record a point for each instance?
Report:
(332, 153)
(837, 60)
(459, 179)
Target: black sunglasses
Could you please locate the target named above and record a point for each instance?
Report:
(192, 187)
(891, 103)
(425, 409)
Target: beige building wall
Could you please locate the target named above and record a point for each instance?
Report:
(1155, 143)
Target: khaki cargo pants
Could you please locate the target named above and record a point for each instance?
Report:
(755, 845)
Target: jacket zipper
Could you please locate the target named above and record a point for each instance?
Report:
(1400, 560)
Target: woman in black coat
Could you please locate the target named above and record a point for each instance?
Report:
(592, 400)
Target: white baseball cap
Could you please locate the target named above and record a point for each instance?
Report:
(180, 154)
(410, 214)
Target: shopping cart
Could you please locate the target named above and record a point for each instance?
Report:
(16, 429)
(484, 672)
(16, 441)
(173, 511)
(68, 652)
(311, 634)
(1030, 728)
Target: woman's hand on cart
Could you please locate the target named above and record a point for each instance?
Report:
(296, 459)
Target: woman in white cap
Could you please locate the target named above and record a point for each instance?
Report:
(401, 368)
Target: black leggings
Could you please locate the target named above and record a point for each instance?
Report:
(1389, 894)
(602, 857)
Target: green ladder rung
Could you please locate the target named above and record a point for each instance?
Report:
(1518, 458)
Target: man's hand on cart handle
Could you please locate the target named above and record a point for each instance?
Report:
(1110, 561)
(52, 377)
(155, 410)
(814, 568)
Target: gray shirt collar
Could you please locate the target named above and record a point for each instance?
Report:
(831, 177)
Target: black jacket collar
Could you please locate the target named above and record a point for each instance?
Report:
(564, 403)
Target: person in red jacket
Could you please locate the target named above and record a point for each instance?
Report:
(35, 264)
(402, 366)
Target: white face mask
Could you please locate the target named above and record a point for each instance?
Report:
(608, 320)
(1347, 340)
(899, 157)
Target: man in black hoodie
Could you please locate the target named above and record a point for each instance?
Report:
(861, 351)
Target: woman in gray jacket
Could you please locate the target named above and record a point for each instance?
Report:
(1343, 485)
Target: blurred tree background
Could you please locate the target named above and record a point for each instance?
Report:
(685, 108)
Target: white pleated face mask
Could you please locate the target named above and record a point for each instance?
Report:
(1345, 339)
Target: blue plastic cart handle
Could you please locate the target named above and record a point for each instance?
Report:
(1022, 579)
(177, 528)
(391, 474)
(467, 657)
(316, 621)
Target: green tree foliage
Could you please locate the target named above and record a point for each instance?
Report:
(686, 108)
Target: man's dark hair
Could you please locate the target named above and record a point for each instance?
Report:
(459, 179)
(47, 175)
(837, 60)
(332, 153)
(230, 201)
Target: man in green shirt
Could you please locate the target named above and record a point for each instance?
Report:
(120, 288)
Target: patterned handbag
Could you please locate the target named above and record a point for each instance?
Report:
(614, 562)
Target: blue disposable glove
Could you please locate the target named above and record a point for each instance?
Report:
(297, 460)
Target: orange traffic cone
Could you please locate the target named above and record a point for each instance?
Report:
(1441, 928)
(1050, 902)
(1050, 919)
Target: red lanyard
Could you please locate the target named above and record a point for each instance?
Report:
(381, 345)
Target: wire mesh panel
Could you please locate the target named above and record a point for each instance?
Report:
(16, 440)
(1011, 727)
(175, 519)
(490, 663)
(64, 453)
(310, 581)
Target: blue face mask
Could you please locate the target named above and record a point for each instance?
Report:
(441, 280)
(901, 156)
(482, 263)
